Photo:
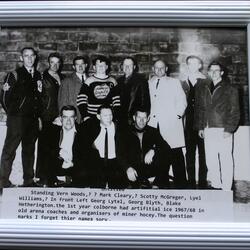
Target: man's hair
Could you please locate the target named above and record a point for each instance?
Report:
(57, 55)
(28, 48)
(159, 60)
(104, 106)
(194, 57)
(215, 63)
(80, 58)
(142, 110)
(102, 59)
(133, 60)
(67, 108)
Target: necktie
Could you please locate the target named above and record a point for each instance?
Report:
(82, 79)
(158, 81)
(106, 145)
(31, 73)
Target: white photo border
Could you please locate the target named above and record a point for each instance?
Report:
(141, 235)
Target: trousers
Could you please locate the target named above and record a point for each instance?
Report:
(22, 130)
(219, 158)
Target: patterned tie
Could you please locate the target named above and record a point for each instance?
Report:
(157, 84)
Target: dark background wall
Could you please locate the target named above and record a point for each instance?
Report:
(228, 45)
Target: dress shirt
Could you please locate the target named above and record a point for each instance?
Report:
(100, 141)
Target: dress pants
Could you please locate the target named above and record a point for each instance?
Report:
(22, 130)
(171, 156)
(219, 158)
(193, 141)
(45, 166)
(109, 174)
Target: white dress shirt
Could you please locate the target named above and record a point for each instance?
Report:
(100, 141)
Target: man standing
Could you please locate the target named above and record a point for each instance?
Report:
(218, 114)
(100, 89)
(168, 104)
(140, 154)
(99, 149)
(21, 99)
(193, 78)
(71, 85)
(133, 89)
(52, 78)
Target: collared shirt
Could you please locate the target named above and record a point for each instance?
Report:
(100, 141)
(55, 76)
(31, 71)
(80, 76)
(67, 142)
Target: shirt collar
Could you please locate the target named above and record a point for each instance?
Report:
(80, 76)
(73, 130)
(30, 70)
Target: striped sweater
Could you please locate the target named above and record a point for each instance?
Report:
(96, 92)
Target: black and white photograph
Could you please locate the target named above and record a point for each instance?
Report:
(159, 114)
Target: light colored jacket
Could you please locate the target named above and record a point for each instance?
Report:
(168, 104)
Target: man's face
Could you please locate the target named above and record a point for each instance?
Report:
(140, 119)
(215, 73)
(193, 65)
(28, 58)
(105, 117)
(80, 66)
(54, 64)
(68, 119)
(100, 67)
(159, 68)
(128, 67)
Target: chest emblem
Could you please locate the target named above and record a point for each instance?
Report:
(101, 91)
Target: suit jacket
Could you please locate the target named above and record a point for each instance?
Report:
(168, 104)
(54, 142)
(68, 93)
(50, 97)
(134, 94)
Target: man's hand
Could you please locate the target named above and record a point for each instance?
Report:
(148, 159)
(132, 174)
(6, 87)
(67, 165)
(226, 134)
(65, 155)
(201, 133)
(40, 124)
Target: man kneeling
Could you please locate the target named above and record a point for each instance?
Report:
(141, 152)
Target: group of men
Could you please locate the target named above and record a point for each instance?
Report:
(101, 132)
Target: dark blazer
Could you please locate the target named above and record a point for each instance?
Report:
(53, 159)
(50, 97)
(137, 87)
